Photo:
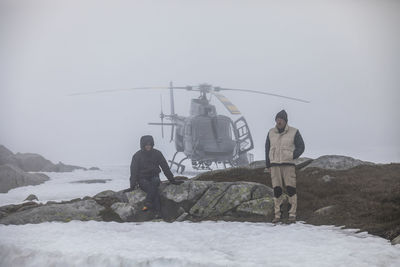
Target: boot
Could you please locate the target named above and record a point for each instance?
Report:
(291, 219)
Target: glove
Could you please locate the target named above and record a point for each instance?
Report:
(176, 182)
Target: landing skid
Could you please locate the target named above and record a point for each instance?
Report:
(200, 164)
(180, 168)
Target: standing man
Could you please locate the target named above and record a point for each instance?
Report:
(145, 170)
(284, 144)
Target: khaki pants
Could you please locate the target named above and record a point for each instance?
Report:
(284, 179)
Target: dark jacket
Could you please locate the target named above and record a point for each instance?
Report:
(299, 149)
(146, 164)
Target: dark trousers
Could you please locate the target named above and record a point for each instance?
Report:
(150, 186)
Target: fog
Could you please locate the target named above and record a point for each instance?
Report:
(342, 56)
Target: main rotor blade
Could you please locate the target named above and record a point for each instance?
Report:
(263, 93)
(227, 103)
(128, 89)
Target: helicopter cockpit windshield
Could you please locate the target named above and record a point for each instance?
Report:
(213, 135)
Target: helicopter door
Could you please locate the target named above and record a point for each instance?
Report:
(244, 136)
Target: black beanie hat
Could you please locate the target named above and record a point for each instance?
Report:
(282, 115)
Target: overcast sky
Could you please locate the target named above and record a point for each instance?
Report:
(343, 56)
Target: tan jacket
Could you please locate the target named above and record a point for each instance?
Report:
(282, 145)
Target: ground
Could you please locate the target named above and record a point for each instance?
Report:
(365, 197)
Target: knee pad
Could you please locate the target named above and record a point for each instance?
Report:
(291, 190)
(277, 191)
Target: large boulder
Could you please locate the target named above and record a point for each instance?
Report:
(174, 198)
(13, 177)
(223, 198)
(192, 200)
(335, 162)
(83, 210)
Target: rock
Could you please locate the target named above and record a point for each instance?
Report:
(109, 197)
(94, 181)
(193, 200)
(31, 162)
(13, 177)
(300, 163)
(182, 217)
(396, 241)
(83, 210)
(31, 197)
(183, 196)
(262, 191)
(205, 206)
(94, 169)
(327, 178)
(233, 197)
(335, 162)
(136, 197)
(61, 167)
(125, 211)
(257, 164)
(259, 207)
(326, 211)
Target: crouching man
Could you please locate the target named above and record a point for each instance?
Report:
(283, 145)
(145, 170)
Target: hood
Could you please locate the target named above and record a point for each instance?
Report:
(146, 139)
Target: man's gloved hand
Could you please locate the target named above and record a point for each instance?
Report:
(175, 182)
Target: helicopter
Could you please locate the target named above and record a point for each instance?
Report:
(206, 137)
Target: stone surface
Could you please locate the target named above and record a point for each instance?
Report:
(31, 197)
(300, 163)
(396, 241)
(182, 217)
(325, 210)
(233, 197)
(335, 162)
(262, 191)
(83, 210)
(327, 178)
(261, 207)
(93, 181)
(13, 177)
(31, 162)
(124, 210)
(192, 200)
(205, 205)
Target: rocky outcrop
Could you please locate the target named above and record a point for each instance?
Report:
(13, 177)
(396, 241)
(92, 181)
(83, 210)
(335, 162)
(193, 200)
(31, 162)
(299, 163)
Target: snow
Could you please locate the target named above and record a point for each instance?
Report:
(175, 244)
(191, 244)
